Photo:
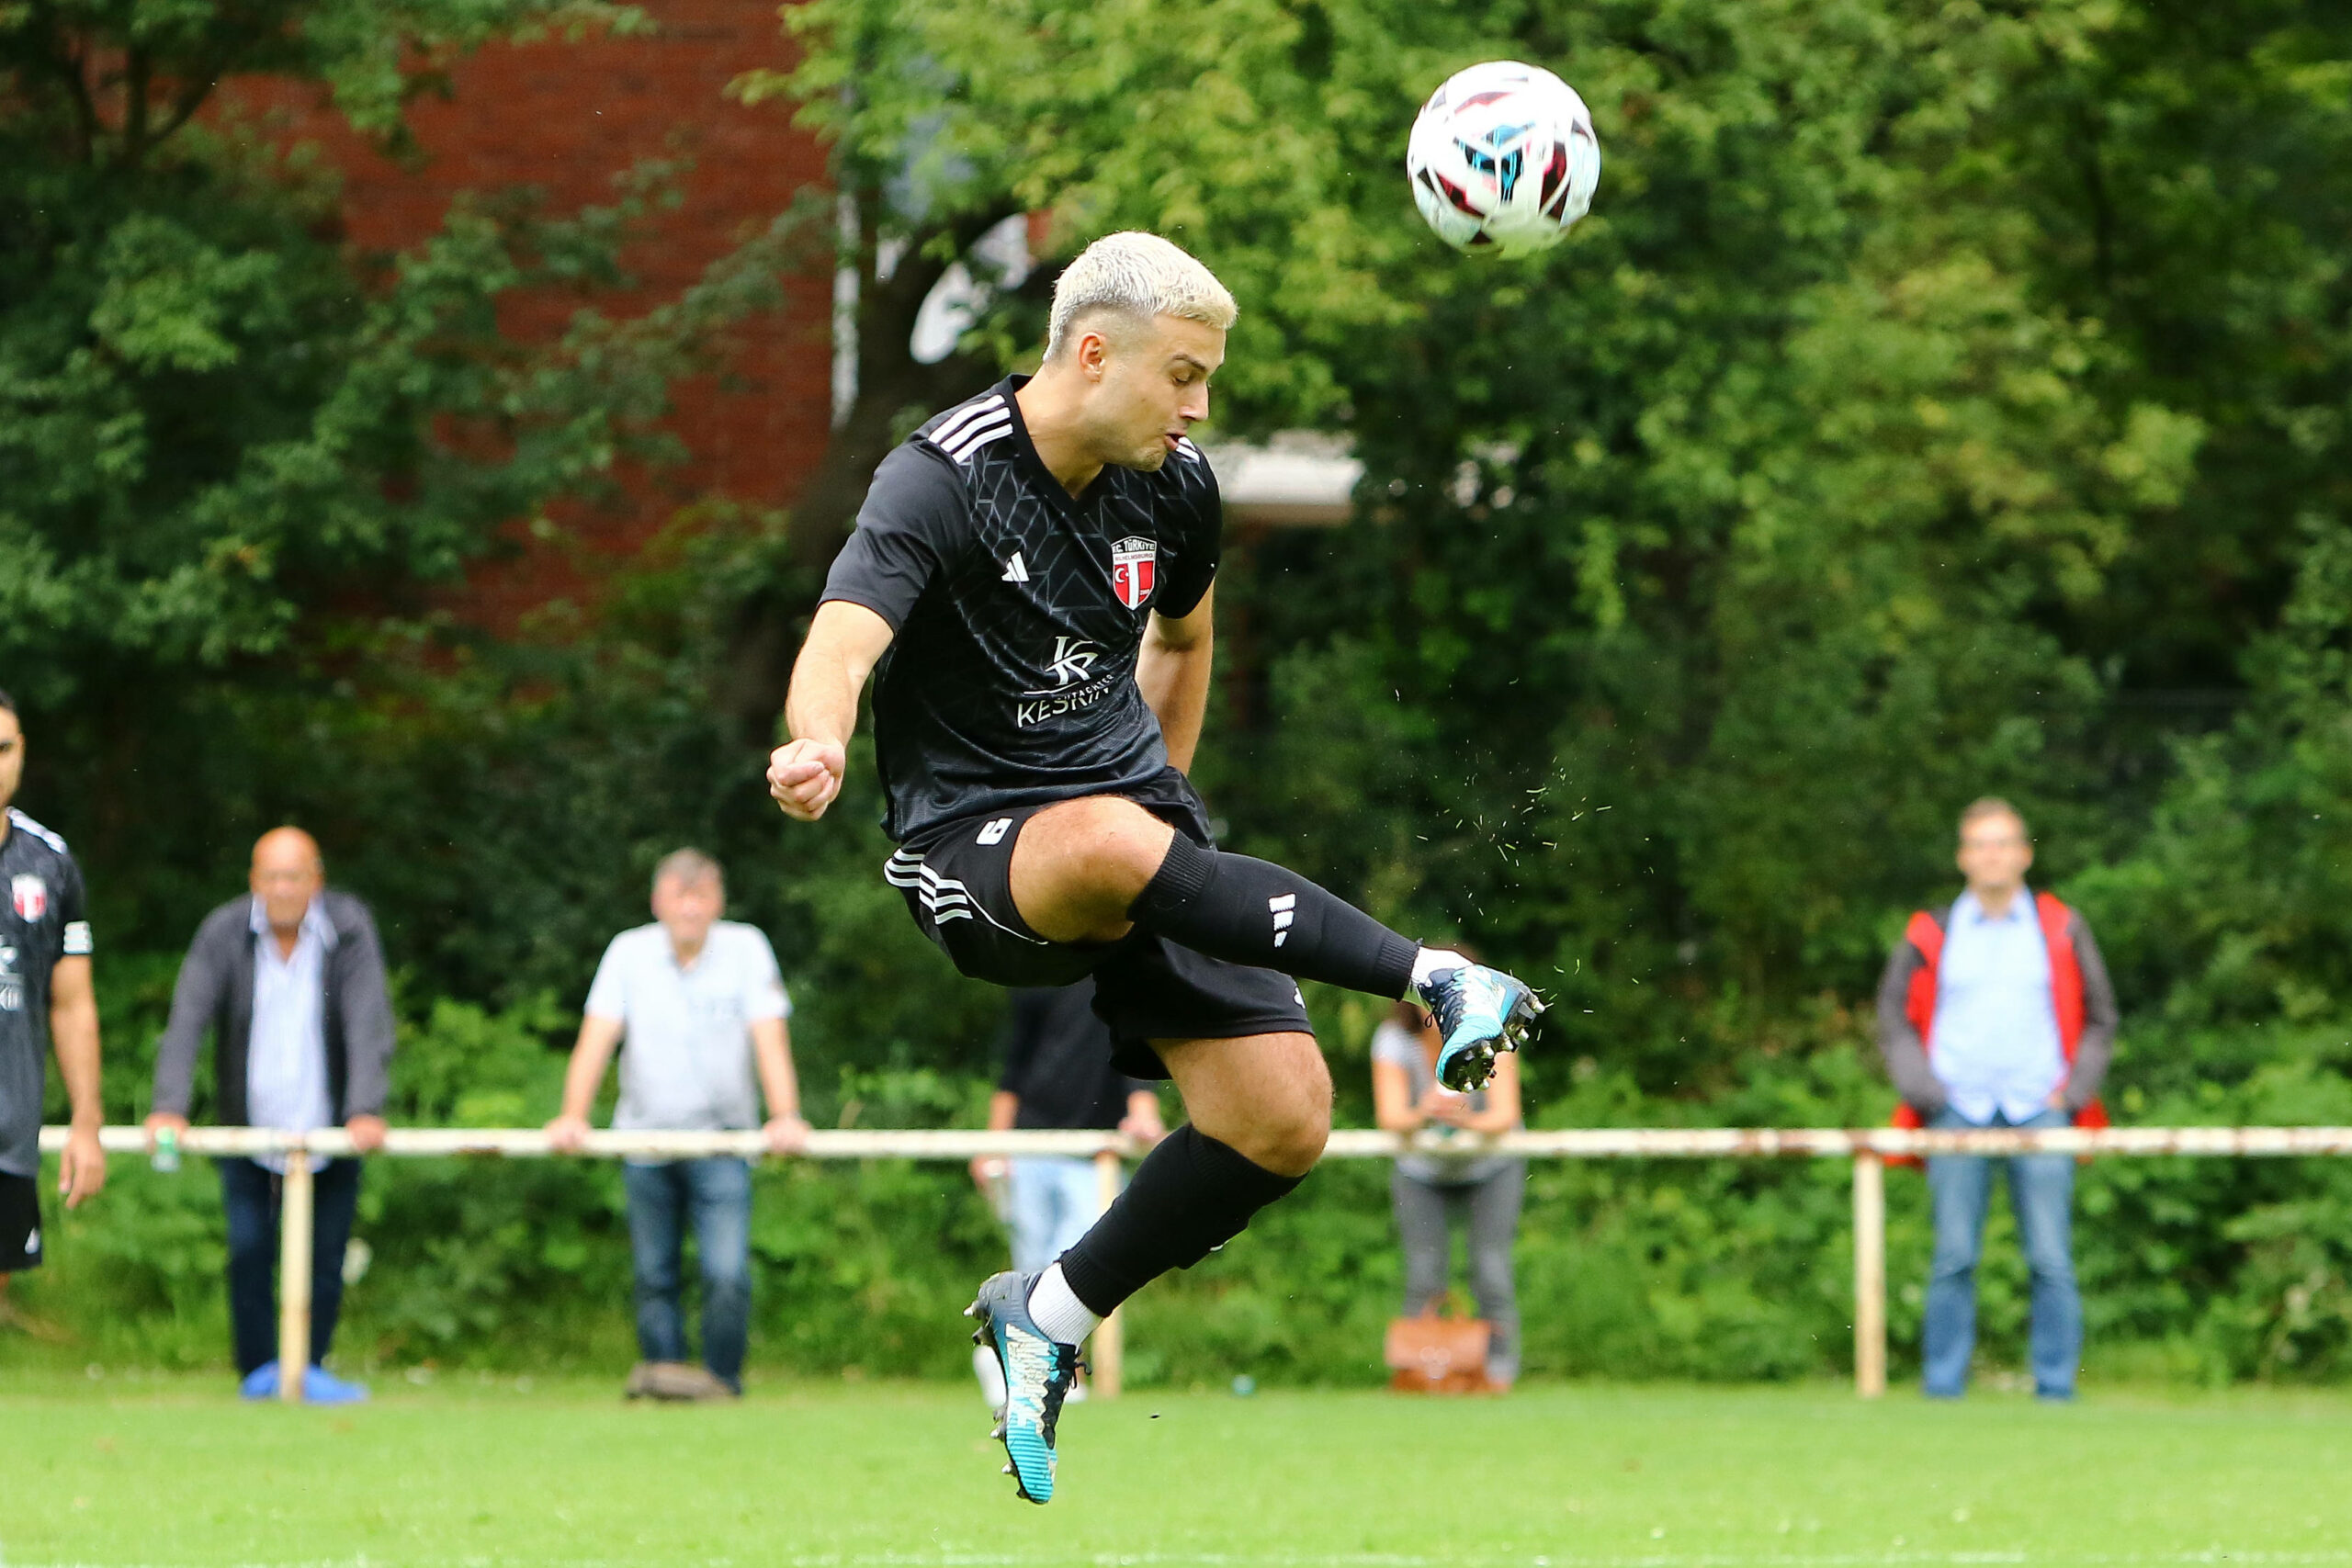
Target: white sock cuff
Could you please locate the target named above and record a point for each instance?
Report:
(1428, 961)
(1055, 1309)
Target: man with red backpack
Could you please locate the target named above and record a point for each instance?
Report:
(1998, 1012)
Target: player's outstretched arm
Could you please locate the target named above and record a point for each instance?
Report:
(845, 641)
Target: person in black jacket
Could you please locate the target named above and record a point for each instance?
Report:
(289, 979)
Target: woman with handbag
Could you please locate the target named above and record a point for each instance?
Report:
(1483, 1191)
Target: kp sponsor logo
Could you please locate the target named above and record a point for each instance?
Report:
(1073, 657)
(1072, 667)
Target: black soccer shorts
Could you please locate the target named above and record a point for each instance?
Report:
(20, 1238)
(957, 878)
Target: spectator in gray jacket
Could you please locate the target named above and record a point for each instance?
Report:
(289, 981)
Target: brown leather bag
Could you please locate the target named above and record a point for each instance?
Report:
(1430, 1354)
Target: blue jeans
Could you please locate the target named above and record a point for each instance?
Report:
(251, 1195)
(2041, 1193)
(715, 1194)
(1055, 1201)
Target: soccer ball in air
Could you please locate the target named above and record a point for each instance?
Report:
(1503, 157)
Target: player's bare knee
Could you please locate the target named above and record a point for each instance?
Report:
(1288, 1140)
(1293, 1115)
(1113, 847)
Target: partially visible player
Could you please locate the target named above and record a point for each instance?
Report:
(44, 991)
(1036, 564)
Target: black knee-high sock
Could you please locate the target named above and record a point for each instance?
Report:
(1190, 1196)
(1252, 911)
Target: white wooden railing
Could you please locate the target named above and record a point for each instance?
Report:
(1868, 1148)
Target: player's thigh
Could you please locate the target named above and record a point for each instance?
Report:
(1268, 1096)
(1078, 865)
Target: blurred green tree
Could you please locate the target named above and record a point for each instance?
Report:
(230, 442)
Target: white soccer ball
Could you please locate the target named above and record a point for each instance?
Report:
(1503, 157)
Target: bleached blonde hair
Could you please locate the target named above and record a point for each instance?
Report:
(1139, 276)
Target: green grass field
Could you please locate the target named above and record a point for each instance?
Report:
(170, 1472)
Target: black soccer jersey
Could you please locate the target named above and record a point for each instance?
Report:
(43, 922)
(1019, 613)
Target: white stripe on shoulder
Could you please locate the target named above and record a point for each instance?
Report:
(962, 418)
(965, 447)
(972, 435)
(18, 819)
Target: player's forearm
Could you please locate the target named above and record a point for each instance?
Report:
(1175, 685)
(73, 1030)
(845, 641)
(822, 703)
(1004, 1108)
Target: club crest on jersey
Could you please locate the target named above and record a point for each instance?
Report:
(31, 896)
(1134, 567)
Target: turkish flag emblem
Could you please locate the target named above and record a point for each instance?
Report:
(31, 896)
(1134, 567)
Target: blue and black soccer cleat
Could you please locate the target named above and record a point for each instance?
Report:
(1037, 1376)
(1479, 1011)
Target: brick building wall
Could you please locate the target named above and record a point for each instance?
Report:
(565, 118)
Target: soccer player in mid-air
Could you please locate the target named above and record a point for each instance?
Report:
(1037, 566)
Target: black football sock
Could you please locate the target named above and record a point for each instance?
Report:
(1255, 912)
(1191, 1195)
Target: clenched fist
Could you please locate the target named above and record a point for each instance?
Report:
(805, 776)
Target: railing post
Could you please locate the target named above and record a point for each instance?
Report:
(294, 1277)
(1110, 1340)
(1870, 1274)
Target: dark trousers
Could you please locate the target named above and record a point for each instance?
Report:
(715, 1197)
(252, 1194)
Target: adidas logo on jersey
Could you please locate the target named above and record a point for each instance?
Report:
(1016, 569)
(1282, 909)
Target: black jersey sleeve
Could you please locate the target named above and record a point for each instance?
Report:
(1195, 565)
(917, 516)
(72, 911)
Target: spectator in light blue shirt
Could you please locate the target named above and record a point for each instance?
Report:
(1998, 1013)
(702, 1007)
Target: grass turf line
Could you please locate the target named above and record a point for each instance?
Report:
(174, 1472)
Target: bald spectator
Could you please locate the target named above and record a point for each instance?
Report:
(289, 981)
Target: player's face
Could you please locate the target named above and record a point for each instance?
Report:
(1155, 387)
(687, 910)
(12, 756)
